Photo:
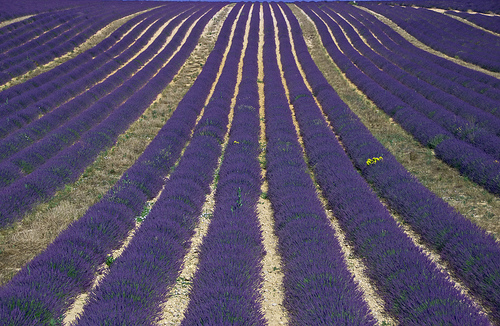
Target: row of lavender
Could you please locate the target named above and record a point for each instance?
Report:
(62, 156)
(414, 291)
(59, 41)
(42, 291)
(445, 34)
(415, 118)
(472, 254)
(491, 23)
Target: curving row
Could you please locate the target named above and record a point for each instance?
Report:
(49, 38)
(461, 119)
(45, 288)
(465, 122)
(491, 23)
(33, 104)
(92, 105)
(139, 280)
(383, 40)
(479, 6)
(445, 34)
(469, 160)
(478, 81)
(472, 254)
(16, 34)
(414, 290)
(464, 102)
(31, 146)
(12, 10)
(129, 102)
(228, 277)
(70, 65)
(318, 288)
(35, 54)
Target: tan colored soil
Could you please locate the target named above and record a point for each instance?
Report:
(272, 291)
(15, 20)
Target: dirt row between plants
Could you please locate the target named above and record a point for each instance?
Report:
(272, 291)
(15, 20)
(25, 239)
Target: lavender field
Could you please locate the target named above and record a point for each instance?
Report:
(249, 163)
